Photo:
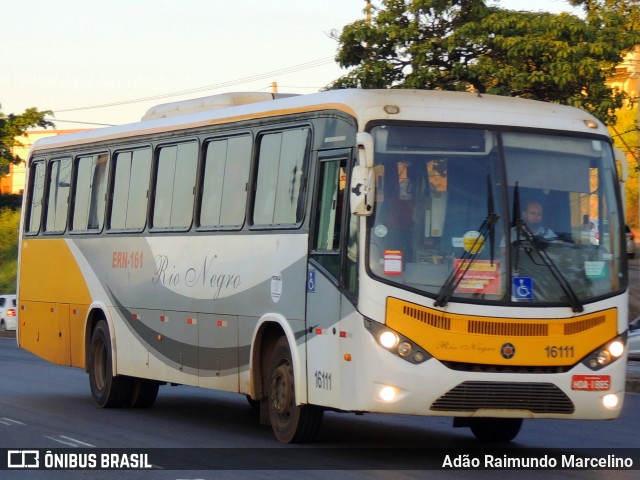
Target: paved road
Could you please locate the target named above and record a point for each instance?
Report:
(48, 407)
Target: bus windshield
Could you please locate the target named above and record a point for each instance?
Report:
(495, 216)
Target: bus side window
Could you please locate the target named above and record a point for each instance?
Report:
(58, 195)
(224, 182)
(175, 186)
(279, 195)
(89, 192)
(132, 170)
(36, 196)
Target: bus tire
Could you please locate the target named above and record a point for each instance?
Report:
(143, 393)
(107, 390)
(254, 404)
(291, 423)
(495, 429)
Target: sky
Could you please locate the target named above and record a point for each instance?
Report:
(105, 62)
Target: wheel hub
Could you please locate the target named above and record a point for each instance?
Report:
(282, 390)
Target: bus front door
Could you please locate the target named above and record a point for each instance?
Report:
(325, 276)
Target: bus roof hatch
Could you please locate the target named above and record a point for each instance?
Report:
(213, 102)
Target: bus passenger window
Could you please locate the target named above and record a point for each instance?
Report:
(175, 186)
(58, 198)
(130, 189)
(279, 196)
(89, 192)
(224, 183)
(36, 192)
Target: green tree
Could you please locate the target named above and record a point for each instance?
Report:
(9, 221)
(13, 126)
(467, 45)
(628, 9)
(625, 136)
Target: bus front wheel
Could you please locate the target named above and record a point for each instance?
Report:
(495, 429)
(107, 390)
(291, 423)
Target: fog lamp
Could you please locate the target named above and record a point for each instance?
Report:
(387, 394)
(610, 401)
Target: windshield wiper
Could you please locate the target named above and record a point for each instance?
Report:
(532, 242)
(487, 228)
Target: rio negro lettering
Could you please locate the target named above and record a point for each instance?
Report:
(205, 275)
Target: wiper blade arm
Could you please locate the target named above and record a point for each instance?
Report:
(470, 254)
(467, 259)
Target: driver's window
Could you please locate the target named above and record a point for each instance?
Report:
(331, 189)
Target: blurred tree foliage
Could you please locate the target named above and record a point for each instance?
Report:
(9, 224)
(625, 137)
(468, 45)
(13, 126)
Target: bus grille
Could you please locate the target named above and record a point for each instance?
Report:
(533, 397)
(583, 325)
(495, 327)
(487, 368)
(509, 329)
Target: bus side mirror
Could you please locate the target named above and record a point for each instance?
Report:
(362, 190)
(362, 177)
(365, 149)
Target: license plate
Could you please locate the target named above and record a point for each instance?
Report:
(591, 383)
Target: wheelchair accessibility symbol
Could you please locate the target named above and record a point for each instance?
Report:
(522, 288)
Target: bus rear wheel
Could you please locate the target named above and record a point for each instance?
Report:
(291, 423)
(495, 429)
(107, 390)
(142, 393)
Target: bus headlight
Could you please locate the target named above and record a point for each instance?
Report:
(388, 339)
(606, 354)
(404, 349)
(396, 343)
(616, 348)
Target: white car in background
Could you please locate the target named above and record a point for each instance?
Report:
(630, 242)
(630, 245)
(8, 312)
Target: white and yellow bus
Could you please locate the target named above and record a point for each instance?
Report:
(352, 250)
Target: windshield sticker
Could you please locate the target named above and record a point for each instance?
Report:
(595, 269)
(480, 276)
(380, 231)
(472, 242)
(392, 262)
(522, 288)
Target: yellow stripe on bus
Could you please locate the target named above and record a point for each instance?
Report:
(53, 330)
